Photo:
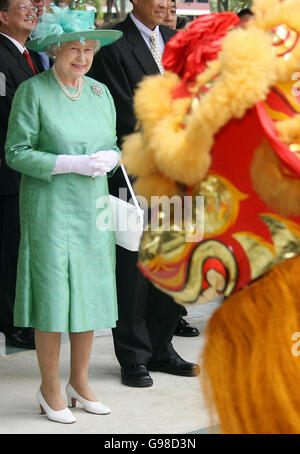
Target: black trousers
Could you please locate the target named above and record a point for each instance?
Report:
(147, 317)
(9, 248)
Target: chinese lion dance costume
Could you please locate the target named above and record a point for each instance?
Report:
(223, 122)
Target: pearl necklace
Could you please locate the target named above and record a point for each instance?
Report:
(73, 97)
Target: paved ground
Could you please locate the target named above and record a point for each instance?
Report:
(174, 405)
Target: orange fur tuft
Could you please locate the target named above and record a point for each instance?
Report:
(155, 185)
(138, 160)
(152, 100)
(289, 130)
(281, 193)
(249, 370)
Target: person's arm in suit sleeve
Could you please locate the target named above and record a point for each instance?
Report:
(22, 136)
(8, 90)
(108, 68)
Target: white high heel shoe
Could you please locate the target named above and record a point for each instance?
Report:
(64, 416)
(91, 407)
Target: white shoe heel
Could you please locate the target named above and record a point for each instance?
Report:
(64, 416)
(91, 407)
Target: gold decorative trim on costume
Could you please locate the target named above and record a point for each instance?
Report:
(260, 253)
(284, 41)
(221, 204)
(192, 294)
(263, 255)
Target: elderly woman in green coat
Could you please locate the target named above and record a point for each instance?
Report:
(62, 139)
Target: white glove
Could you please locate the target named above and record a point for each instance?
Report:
(81, 164)
(106, 160)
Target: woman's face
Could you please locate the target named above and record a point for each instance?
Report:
(74, 59)
(170, 19)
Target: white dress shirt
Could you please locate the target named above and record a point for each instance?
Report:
(146, 32)
(15, 42)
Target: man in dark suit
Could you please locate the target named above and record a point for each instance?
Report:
(147, 317)
(17, 20)
(183, 328)
(43, 6)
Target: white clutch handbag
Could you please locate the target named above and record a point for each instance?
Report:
(128, 219)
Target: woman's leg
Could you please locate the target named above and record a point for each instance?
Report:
(48, 348)
(81, 346)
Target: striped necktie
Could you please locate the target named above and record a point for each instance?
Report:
(155, 51)
(29, 61)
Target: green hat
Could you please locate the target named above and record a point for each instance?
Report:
(63, 24)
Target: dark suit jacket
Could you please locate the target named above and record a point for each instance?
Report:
(147, 317)
(121, 66)
(14, 67)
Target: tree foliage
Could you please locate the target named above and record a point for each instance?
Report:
(120, 6)
(229, 5)
(81, 5)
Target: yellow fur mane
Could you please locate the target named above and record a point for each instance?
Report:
(162, 155)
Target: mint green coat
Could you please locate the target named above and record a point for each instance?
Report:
(66, 268)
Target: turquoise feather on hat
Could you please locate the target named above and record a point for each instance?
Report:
(63, 24)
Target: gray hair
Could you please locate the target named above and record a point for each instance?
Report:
(50, 50)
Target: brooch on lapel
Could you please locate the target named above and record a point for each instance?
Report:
(96, 89)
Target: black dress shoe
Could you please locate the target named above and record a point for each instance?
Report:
(21, 338)
(136, 375)
(175, 365)
(184, 329)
